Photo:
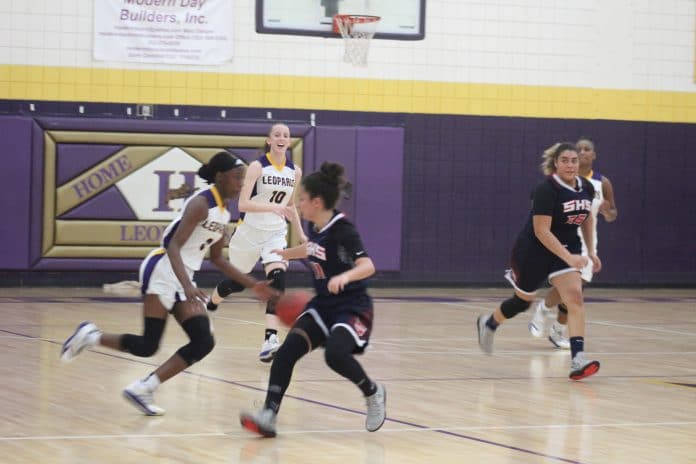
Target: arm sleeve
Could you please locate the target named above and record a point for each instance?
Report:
(543, 200)
(349, 239)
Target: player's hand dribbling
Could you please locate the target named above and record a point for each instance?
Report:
(282, 253)
(337, 283)
(264, 291)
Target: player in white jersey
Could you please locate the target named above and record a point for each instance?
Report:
(603, 203)
(266, 202)
(166, 278)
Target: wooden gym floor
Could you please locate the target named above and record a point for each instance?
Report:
(447, 402)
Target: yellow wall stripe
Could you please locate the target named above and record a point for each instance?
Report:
(342, 94)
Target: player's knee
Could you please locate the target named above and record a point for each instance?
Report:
(277, 278)
(513, 306)
(229, 286)
(139, 345)
(573, 301)
(292, 349)
(339, 349)
(336, 358)
(202, 341)
(147, 344)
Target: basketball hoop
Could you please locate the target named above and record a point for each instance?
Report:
(357, 31)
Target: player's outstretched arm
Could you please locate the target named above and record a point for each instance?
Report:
(297, 252)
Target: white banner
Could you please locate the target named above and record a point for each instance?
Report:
(195, 32)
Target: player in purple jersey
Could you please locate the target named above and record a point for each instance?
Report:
(340, 316)
(167, 284)
(548, 247)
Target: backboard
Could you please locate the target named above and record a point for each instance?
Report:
(401, 19)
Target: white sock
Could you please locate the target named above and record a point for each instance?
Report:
(94, 339)
(152, 382)
(215, 297)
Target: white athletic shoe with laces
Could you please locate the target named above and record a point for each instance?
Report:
(558, 336)
(376, 409)
(139, 395)
(269, 348)
(539, 322)
(84, 336)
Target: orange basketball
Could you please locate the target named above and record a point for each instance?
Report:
(290, 305)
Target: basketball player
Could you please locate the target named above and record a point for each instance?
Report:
(166, 278)
(340, 316)
(548, 247)
(266, 201)
(603, 203)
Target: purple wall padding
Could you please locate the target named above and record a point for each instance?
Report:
(109, 204)
(37, 174)
(337, 145)
(15, 199)
(373, 159)
(379, 193)
(72, 159)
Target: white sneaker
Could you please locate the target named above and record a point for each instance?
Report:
(581, 367)
(558, 337)
(539, 323)
(269, 348)
(485, 334)
(262, 422)
(85, 336)
(142, 397)
(376, 409)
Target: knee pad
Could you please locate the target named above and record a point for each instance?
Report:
(229, 286)
(202, 341)
(338, 352)
(513, 306)
(277, 278)
(147, 344)
(562, 308)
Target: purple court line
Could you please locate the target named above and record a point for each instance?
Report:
(331, 406)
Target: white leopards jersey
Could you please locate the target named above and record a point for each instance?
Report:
(204, 234)
(276, 185)
(596, 179)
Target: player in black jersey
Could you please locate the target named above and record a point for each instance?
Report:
(548, 247)
(340, 316)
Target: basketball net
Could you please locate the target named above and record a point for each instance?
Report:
(357, 31)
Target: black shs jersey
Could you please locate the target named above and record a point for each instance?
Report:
(332, 251)
(568, 207)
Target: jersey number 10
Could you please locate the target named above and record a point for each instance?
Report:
(277, 196)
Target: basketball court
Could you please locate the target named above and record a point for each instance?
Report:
(447, 402)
